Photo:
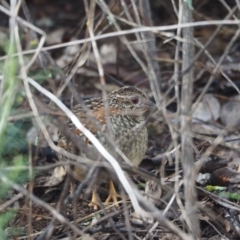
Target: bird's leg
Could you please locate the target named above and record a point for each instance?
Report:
(94, 201)
(112, 197)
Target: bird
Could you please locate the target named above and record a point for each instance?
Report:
(124, 118)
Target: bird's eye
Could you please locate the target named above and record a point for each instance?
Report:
(135, 100)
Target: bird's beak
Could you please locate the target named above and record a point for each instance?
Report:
(150, 106)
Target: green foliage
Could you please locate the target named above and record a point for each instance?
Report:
(15, 132)
(7, 98)
(211, 188)
(12, 136)
(40, 75)
(14, 174)
(229, 195)
(220, 191)
(4, 219)
(15, 138)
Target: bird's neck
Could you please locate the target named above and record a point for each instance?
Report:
(129, 121)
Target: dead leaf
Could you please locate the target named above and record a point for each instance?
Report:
(208, 109)
(225, 176)
(230, 114)
(51, 178)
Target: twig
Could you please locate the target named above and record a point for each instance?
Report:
(131, 31)
(10, 202)
(95, 142)
(150, 52)
(186, 140)
(38, 201)
(31, 26)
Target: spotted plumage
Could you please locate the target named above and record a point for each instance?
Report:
(126, 112)
(126, 108)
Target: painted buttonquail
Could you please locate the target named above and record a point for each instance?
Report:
(127, 109)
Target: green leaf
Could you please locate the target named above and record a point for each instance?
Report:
(4, 219)
(15, 138)
(211, 188)
(9, 89)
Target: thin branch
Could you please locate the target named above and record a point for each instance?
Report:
(186, 140)
(150, 52)
(38, 201)
(95, 142)
(130, 31)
